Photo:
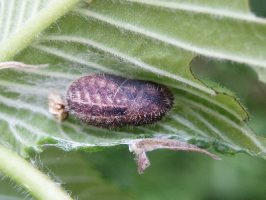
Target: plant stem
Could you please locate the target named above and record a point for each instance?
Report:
(48, 15)
(24, 174)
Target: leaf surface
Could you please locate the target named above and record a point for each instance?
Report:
(155, 42)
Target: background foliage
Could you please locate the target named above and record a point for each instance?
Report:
(101, 43)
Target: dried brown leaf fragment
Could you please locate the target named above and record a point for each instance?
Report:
(141, 146)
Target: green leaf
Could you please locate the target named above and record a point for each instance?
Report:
(147, 40)
(22, 21)
(224, 30)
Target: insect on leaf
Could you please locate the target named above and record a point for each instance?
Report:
(155, 43)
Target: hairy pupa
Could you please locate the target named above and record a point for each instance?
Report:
(111, 101)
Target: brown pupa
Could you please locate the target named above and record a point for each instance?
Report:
(111, 101)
